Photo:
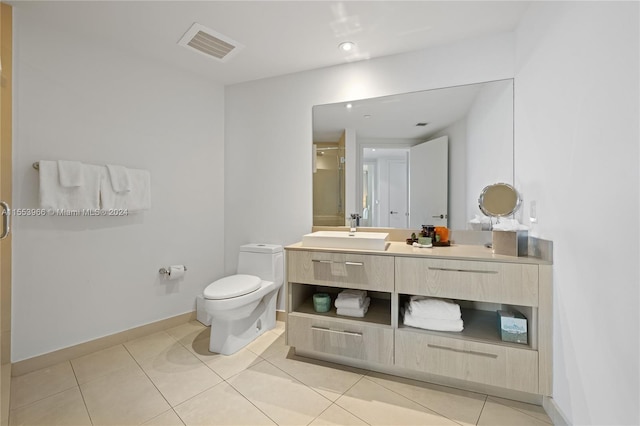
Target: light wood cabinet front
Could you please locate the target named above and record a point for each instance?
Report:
(494, 365)
(366, 272)
(509, 283)
(344, 338)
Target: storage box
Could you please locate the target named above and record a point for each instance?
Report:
(511, 243)
(512, 327)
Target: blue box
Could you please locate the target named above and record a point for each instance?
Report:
(512, 327)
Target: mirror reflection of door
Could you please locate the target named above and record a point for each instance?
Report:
(429, 175)
(398, 196)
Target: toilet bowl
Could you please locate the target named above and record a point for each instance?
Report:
(243, 306)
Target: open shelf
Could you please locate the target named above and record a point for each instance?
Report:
(379, 312)
(480, 326)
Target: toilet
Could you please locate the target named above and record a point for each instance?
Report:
(243, 306)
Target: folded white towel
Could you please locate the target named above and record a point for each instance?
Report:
(355, 312)
(57, 197)
(119, 178)
(350, 299)
(433, 308)
(139, 198)
(432, 324)
(70, 173)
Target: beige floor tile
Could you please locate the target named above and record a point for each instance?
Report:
(64, 408)
(460, 406)
(178, 374)
(285, 400)
(530, 409)
(145, 347)
(227, 366)
(124, 397)
(335, 416)
(329, 380)
(42, 383)
(496, 414)
(378, 405)
(266, 344)
(221, 405)
(168, 418)
(189, 332)
(280, 327)
(101, 363)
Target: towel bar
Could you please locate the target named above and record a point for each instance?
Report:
(167, 271)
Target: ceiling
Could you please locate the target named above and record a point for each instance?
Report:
(278, 37)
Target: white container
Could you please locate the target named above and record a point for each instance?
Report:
(201, 313)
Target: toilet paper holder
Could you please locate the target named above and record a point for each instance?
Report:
(167, 271)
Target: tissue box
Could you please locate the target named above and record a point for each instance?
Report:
(511, 243)
(512, 327)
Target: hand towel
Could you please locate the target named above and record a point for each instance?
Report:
(70, 173)
(433, 308)
(355, 312)
(119, 178)
(432, 324)
(139, 198)
(54, 196)
(350, 299)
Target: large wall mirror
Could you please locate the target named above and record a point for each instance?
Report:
(412, 159)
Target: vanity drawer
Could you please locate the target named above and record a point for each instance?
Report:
(335, 337)
(493, 365)
(510, 283)
(366, 272)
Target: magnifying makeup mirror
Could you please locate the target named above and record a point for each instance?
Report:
(499, 200)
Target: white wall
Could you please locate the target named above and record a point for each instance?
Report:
(490, 142)
(577, 157)
(268, 129)
(80, 278)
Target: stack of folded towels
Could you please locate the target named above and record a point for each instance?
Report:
(433, 314)
(352, 303)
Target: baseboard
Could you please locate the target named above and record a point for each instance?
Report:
(554, 412)
(52, 358)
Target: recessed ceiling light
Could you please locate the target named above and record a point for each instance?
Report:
(373, 150)
(349, 106)
(346, 46)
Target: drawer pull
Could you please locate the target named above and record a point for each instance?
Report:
(328, 330)
(474, 271)
(331, 261)
(463, 351)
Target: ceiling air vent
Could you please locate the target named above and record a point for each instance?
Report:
(210, 43)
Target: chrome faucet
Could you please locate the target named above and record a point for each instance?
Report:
(355, 221)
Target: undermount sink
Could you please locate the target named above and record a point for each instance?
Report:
(346, 240)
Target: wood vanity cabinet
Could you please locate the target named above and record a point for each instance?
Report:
(479, 281)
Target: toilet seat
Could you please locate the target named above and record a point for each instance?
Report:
(232, 286)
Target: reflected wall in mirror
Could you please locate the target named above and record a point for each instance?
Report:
(413, 159)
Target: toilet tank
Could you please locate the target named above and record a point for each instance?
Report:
(263, 260)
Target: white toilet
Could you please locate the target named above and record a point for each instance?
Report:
(243, 306)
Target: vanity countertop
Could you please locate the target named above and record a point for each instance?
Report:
(455, 251)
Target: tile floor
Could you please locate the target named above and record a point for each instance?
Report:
(170, 378)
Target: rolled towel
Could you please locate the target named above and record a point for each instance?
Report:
(70, 173)
(350, 299)
(433, 324)
(355, 312)
(433, 308)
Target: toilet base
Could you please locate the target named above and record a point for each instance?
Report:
(228, 337)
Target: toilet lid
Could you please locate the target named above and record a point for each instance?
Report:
(232, 286)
